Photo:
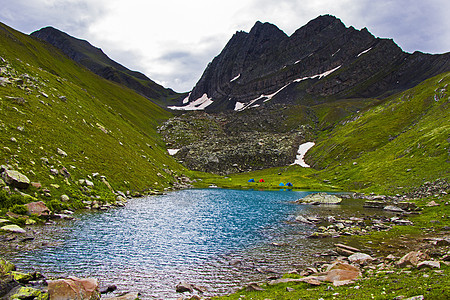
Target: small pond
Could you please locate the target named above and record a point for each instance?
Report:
(216, 238)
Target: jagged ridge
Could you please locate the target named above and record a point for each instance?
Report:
(321, 61)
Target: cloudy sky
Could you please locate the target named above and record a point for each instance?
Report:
(172, 41)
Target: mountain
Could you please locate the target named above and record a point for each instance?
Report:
(321, 62)
(98, 62)
(61, 124)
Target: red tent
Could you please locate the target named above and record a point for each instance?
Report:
(261, 180)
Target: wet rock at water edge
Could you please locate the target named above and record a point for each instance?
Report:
(183, 287)
(73, 288)
(13, 228)
(320, 198)
(38, 208)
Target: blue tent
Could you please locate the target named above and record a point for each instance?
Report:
(289, 184)
(281, 184)
(251, 180)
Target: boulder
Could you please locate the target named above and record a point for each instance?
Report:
(340, 273)
(360, 258)
(320, 198)
(38, 208)
(28, 293)
(7, 284)
(73, 288)
(429, 264)
(13, 228)
(16, 179)
(184, 287)
(412, 258)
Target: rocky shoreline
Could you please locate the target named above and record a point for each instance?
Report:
(430, 252)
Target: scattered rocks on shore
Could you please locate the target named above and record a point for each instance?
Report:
(34, 286)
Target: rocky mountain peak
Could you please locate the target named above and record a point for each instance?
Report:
(322, 61)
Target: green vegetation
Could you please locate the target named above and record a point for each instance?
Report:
(61, 123)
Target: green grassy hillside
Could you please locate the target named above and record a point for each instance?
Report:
(402, 142)
(48, 101)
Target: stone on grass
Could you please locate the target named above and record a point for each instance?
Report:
(429, 264)
(37, 208)
(360, 258)
(16, 179)
(412, 258)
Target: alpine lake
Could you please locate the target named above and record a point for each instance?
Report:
(218, 239)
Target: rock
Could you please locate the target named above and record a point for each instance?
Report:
(16, 179)
(23, 277)
(412, 258)
(127, 296)
(348, 248)
(432, 203)
(65, 198)
(7, 284)
(13, 228)
(108, 289)
(302, 219)
(320, 198)
(6, 266)
(420, 297)
(342, 273)
(429, 264)
(393, 208)
(73, 288)
(37, 208)
(443, 241)
(289, 289)
(86, 182)
(184, 287)
(28, 293)
(253, 287)
(61, 152)
(360, 258)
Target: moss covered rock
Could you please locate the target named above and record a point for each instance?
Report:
(6, 266)
(29, 293)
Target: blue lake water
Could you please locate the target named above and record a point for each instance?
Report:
(216, 238)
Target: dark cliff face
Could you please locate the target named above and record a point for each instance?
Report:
(322, 61)
(98, 62)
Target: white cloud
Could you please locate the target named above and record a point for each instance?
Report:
(172, 41)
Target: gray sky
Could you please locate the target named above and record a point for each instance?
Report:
(172, 41)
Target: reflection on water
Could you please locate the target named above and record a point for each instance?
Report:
(215, 238)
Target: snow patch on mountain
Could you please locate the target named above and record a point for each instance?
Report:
(199, 104)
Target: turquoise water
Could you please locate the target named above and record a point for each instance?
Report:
(215, 238)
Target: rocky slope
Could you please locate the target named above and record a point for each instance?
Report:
(98, 62)
(229, 143)
(320, 62)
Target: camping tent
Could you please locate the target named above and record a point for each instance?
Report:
(281, 184)
(289, 184)
(251, 180)
(261, 180)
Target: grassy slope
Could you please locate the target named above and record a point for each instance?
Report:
(130, 154)
(401, 142)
